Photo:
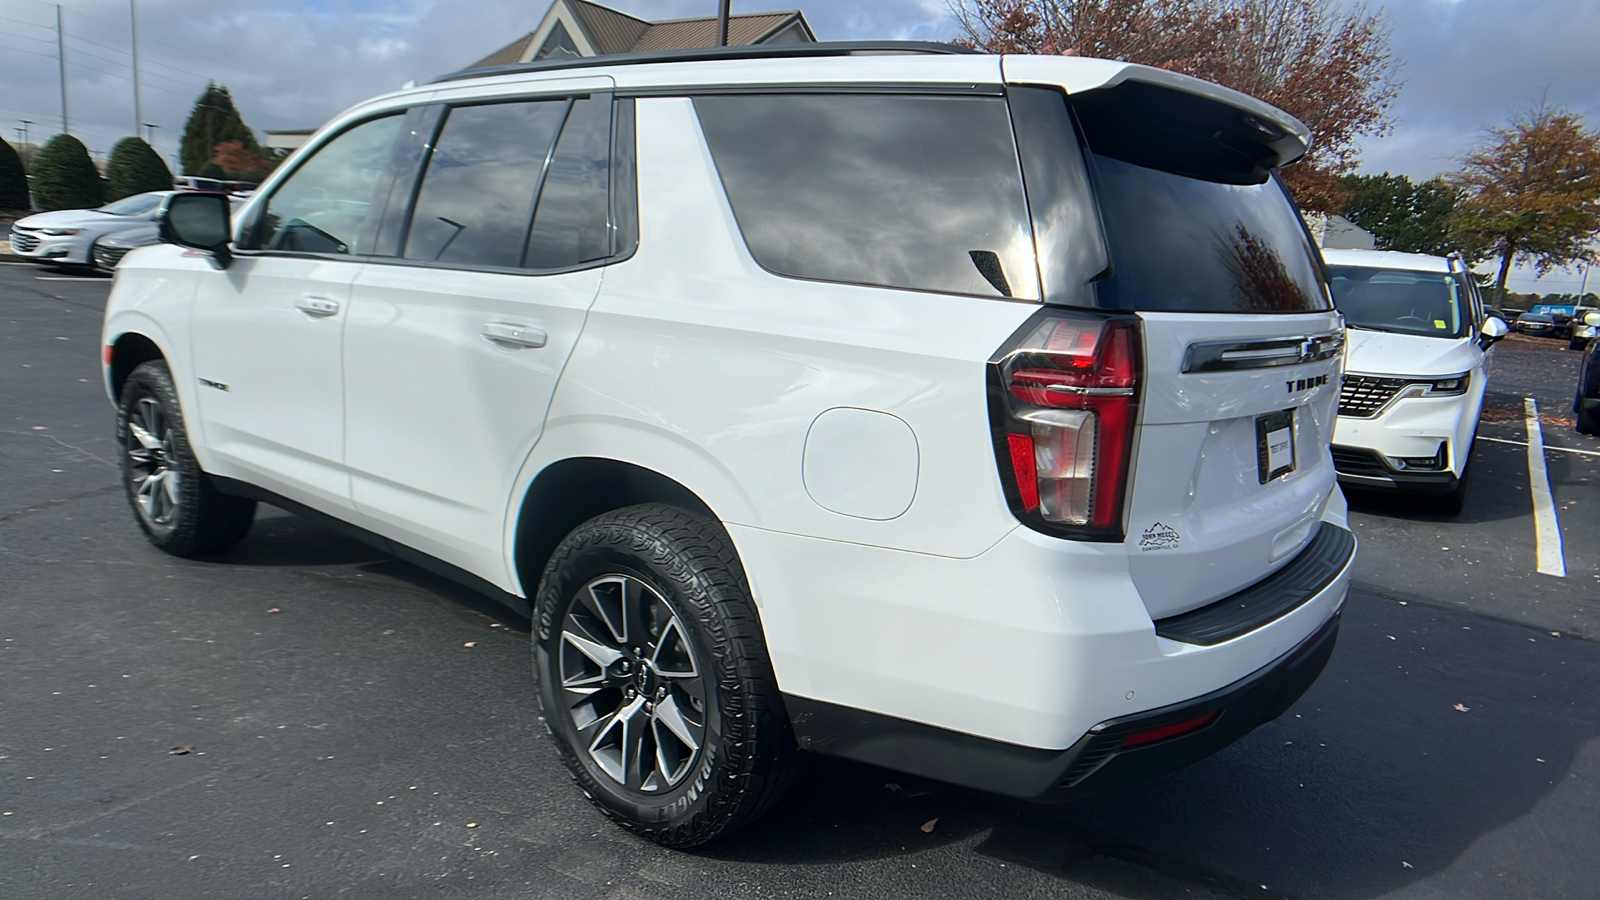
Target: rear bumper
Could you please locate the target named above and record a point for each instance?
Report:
(1102, 760)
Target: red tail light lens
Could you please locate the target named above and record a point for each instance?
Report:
(1064, 400)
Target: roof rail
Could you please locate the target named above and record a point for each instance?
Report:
(702, 54)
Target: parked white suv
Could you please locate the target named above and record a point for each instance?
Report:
(1415, 379)
(961, 414)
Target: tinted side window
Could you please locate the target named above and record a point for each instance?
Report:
(324, 205)
(570, 226)
(478, 193)
(919, 192)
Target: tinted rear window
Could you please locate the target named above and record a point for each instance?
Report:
(919, 192)
(1181, 244)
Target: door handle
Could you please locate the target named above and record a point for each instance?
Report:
(514, 335)
(319, 307)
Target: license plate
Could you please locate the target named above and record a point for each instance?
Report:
(1275, 444)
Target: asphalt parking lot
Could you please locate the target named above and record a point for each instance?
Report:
(347, 725)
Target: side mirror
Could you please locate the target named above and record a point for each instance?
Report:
(1592, 319)
(201, 221)
(1494, 329)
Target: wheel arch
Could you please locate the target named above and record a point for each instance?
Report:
(127, 352)
(571, 491)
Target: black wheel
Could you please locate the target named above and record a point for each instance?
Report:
(653, 676)
(176, 506)
(1452, 503)
(1588, 419)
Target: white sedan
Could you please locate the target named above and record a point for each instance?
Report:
(67, 236)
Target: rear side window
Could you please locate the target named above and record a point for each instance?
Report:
(917, 192)
(480, 185)
(570, 227)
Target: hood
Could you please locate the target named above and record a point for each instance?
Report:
(137, 236)
(1384, 353)
(66, 218)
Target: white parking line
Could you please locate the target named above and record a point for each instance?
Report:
(1552, 449)
(67, 278)
(1547, 531)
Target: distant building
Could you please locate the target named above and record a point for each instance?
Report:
(1339, 233)
(288, 138)
(573, 28)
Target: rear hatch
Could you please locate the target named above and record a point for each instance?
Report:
(1238, 372)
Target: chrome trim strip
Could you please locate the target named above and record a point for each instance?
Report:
(1291, 350)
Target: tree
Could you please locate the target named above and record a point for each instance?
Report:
(13, 180)
(240, 164)
(135, 167)
(64, 177)
(1531, 192)
(1402, 215)
(213, 120)
(1327, 64)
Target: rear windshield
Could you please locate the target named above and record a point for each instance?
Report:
(1181, 244)
(1404, 302)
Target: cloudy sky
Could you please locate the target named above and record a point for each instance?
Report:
(1466, 64)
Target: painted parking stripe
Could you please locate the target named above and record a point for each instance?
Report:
(68, 278)
(1549, 447)
(1547, 531)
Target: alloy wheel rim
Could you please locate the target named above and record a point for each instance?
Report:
(629, 680)
(151, 469)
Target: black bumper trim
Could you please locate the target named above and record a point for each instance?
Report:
(1322, 561)
(1362, 468)
(1096, 763)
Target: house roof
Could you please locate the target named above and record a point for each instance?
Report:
(609, 31)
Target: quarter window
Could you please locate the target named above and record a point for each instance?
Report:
(918, 192)
(571, 225)
(325, 204)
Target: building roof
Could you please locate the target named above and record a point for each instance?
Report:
(609, 31)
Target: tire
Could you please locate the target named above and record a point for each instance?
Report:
(176, 506)
(1588, 419)
(1452, 503)
(654, 679)
(1577, 343)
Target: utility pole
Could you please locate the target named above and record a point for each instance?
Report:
(722, 23)
(24, 130)
(61, 54)
(133, 22)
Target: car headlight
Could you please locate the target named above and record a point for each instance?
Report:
(60, 232)
(1453, 385)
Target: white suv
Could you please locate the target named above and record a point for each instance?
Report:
(1415, 378)
(962, 414)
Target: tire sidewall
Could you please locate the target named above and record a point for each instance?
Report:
(595, 550)
(154, 380)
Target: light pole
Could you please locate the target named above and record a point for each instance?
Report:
(133, 22)
(150, 133)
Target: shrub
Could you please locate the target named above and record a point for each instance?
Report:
(13, 182)
(64, 177)
(134, 168)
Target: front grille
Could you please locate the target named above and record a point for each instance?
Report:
(1352, 461)
(1364, 396)
(108, 257)
(24, 241)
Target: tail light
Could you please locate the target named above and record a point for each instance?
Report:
(1064, 397)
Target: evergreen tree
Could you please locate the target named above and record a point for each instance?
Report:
(1401, 214)
(134, 168)
(13, 182)
(214, 119)
(64, 177)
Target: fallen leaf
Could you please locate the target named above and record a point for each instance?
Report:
(927, 827)
(470, 644)
(180, 750)
(274, 610)
(1460, 708)
(892, 787)
(1406, 864)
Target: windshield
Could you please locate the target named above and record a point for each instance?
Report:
(137, 205)
(1422, 303)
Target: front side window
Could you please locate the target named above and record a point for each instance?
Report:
(922, 192)
(137, 205)
(325, 204)
(479, 189)
(1433, 304)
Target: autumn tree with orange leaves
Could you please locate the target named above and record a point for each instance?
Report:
(1531, 192)
(1327, 65)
